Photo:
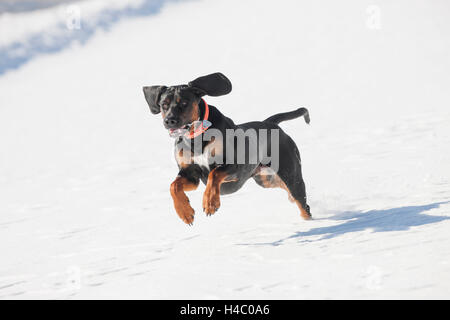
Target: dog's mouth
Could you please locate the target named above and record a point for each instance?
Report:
(176, 132)
(194, 127)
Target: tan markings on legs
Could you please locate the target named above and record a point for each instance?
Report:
(211, 197)
(180, 200)
(274, 181)
(303, 213)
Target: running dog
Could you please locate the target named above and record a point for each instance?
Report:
(188, 118)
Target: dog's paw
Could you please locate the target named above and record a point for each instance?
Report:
(186, 213)
(305, 213)
(211, 203)
(306, 216)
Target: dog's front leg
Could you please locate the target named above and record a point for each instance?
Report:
(180, 200)
(211, 197)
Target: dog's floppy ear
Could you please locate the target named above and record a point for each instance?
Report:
(152, 95)
(215, 84)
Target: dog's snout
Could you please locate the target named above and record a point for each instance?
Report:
(171, 122)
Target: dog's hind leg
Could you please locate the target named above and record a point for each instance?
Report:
(289, 177)
(290, 173)
(295, 186)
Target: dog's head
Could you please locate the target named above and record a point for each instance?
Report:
(179, 105)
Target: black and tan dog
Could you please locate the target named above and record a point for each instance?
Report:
(182, 106)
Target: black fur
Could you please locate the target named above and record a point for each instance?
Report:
(152, 95)
(215, 84)
(280, 117)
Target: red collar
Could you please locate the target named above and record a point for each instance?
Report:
(201, 129)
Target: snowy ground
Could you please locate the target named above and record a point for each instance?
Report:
(85, 170)
(28, 5)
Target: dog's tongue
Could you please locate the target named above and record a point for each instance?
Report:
(175, 133)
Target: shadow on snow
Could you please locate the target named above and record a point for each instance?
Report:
(396, 219)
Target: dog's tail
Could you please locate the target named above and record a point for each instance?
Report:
(280, 117)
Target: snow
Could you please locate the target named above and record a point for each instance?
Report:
(26, 35)
(85, 209)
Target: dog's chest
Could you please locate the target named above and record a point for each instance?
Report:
(202, 160)
(211, 153)
(185, 158)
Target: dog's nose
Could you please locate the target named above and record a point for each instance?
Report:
(171, 122)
